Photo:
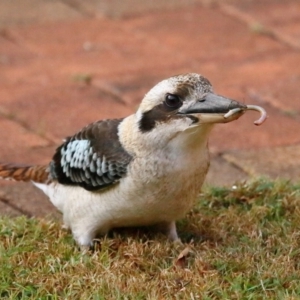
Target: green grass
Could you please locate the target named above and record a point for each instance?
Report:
(244, 244)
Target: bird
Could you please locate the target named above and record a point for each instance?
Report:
(143, 169)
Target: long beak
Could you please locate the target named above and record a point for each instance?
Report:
(212, 108)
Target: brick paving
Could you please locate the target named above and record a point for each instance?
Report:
(66, 63)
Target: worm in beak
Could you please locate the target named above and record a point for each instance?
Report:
(263, 113)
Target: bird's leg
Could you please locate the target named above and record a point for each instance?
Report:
(172, 232)
(85, 236)
(65, 225)
(84, 239)
(169, 228)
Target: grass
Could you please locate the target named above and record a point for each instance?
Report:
(238, 243)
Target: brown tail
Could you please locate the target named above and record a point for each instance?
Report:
(20, 172)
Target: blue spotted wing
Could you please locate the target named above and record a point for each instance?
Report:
(93, 158)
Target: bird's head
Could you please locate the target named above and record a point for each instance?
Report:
(187, 99)
(178, 113)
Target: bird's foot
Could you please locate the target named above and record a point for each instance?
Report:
(169, 228)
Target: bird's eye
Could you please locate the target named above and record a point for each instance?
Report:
(173, 101)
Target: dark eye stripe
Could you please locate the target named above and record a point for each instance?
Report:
(158, 114)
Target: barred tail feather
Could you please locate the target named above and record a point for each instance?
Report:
(20, 172)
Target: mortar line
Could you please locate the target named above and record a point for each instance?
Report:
(237, 166)
(76, 7)
(247, 19)
(50, 140)
(15, 207)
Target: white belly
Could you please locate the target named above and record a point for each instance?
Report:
(158, 189)
(140, 199)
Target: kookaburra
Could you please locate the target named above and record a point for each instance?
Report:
(144, 169)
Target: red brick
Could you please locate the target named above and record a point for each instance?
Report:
(59, 111)
(30, 11)
(281, 15)
(20, 145)
(27, 199)
(203, 34)
(278, 130)
(7, 210)
(117, 8)
(275, 162)
(99, 47)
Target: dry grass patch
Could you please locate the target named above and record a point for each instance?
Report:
(240, 243)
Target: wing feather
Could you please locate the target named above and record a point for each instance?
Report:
(93, 158)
